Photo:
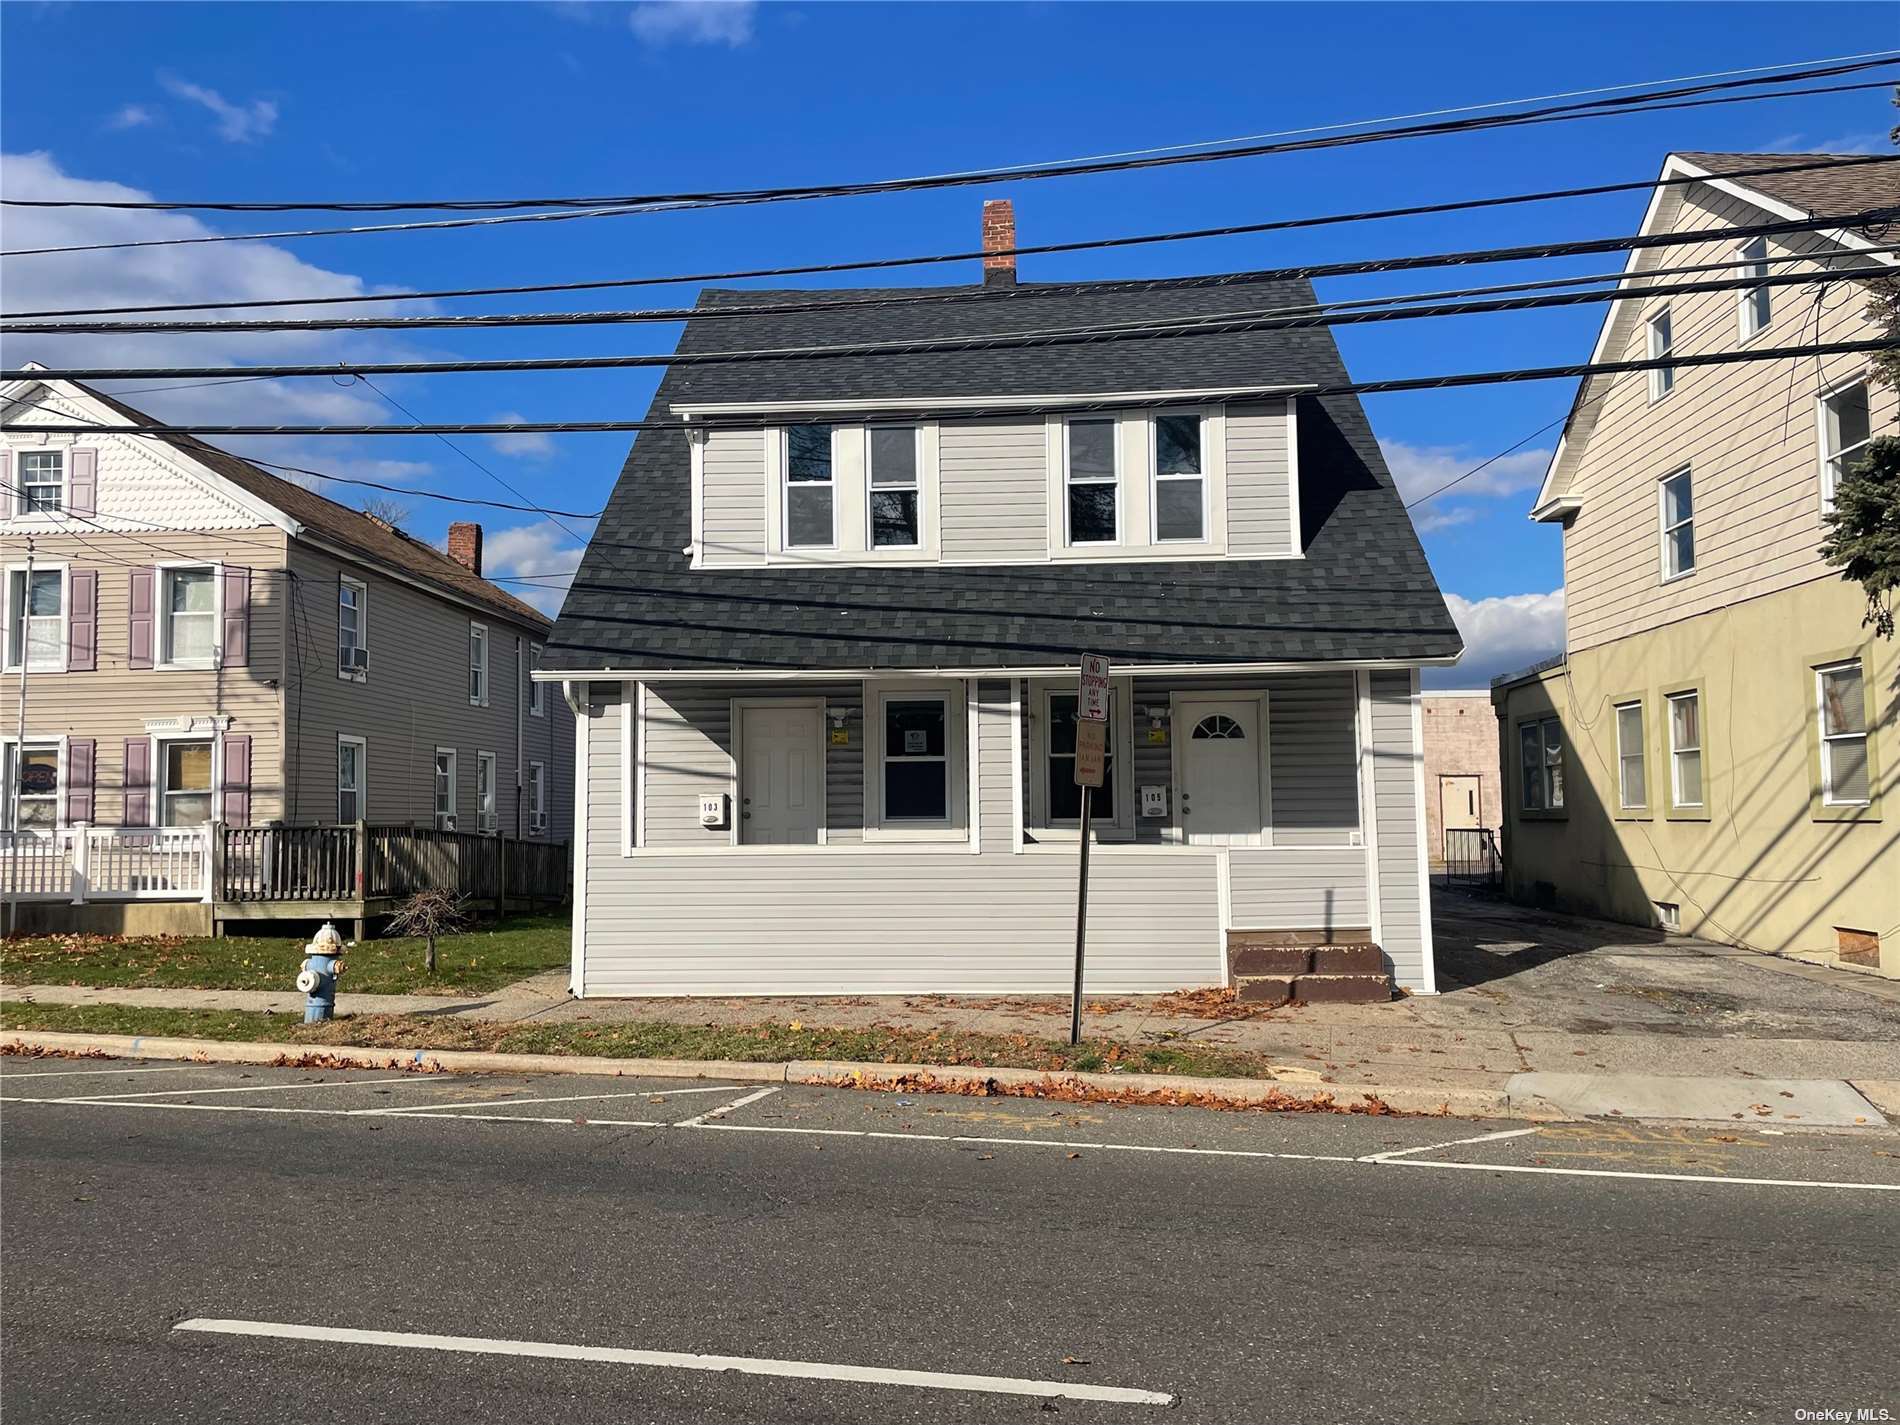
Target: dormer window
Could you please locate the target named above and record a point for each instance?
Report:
(42, 481)
(892, 453)
(1180, 496)
(1091, 474)
(810, 503)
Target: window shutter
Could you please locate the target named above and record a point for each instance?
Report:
(237, 781)
(82, 623)
(82, 486)
(14, 495)
(138, 782)
(79, 759)
(237, 617)
(143, 622)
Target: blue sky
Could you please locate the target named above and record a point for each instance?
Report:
(344, 101)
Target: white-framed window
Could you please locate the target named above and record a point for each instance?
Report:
(915, 760)
(445, 788)
(537, 799)
(1662, 343)
(1845, 780)
(1541, 753)
(1632, 772)
(188, 620)
(810, 492)
(1180, 478)
(1685, 749)
(478, 665)
(41, 480)
(187, 783)
(1675, 500)
(1061, 798)
(1091, 480)
(1846, 428)
(352, 630)
(537, 692)
(36, 767)
(893, 455)
(487, 802)
(36, 618)
(1757, 300)
(352, 765)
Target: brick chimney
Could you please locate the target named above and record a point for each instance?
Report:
(465, 546)
(999, 242)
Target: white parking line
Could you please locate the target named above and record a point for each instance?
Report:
(75, 1073)
(1450, 1143)
(704, 1120)
(1653, 1177)
(246, 1088)
(685, 1361)
(409, 1110)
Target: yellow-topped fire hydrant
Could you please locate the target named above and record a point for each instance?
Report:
(323, 962)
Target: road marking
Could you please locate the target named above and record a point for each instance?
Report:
(74, 1073)
(408, 1110)
(680, 1360)
(704, 1120)
(247, 1088)
(1449, 1143)
(1653, 1177)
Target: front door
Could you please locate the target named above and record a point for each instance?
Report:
(781, 774)
(1220, 770)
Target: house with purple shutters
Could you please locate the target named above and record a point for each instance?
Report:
(195, 640)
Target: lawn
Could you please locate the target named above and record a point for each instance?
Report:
(768, 1043)
(483, 959)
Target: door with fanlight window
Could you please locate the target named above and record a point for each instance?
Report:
(1220, 800)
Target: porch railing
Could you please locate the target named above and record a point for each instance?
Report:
(107, 863)
(359, 861)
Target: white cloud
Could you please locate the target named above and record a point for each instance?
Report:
(131, 116)
(532, 549)
(530, 445)
(1420, 469)
(693, 22)
(1502, 635)
(237, 123)
(1436, 517)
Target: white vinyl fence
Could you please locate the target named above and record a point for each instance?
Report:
(107, 863)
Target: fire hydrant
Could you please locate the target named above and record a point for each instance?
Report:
(322, 964)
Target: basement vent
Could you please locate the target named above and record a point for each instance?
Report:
(1668, 915)
(1858, 947)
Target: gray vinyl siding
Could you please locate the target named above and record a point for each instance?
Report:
(993, 490)
(1312, 889)
(995, 787)
(1259, 510)
(732, 497)
(414, 700)
(1395, 754)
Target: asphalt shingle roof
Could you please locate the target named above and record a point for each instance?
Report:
(1815, 190)
(1364, 591)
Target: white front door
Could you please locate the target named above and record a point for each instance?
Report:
(781, 774)
(1219, 740)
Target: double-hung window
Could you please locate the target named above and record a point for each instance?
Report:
(35, 770)
(1662, 344)
(1541, 748)
(351, 754)
(477, 665)
(810, 494)
(1064, 797)
(352, 628)
(190, 604)
(1180, 494)
(914, 780)
(487, 809)
(36, 619)
(1844, 772)
(1092, 487)
(1845, 430)
(537, 692)
(1632, 776)
(42, 481)
(1677, 514)
(1757, 304)
(537, 799)
(445, 789)
(1685, 749)
(185, 783)
(895, 518)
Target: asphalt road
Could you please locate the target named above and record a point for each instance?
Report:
(1253, 1268)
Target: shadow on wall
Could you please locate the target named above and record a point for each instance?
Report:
(1330, 469)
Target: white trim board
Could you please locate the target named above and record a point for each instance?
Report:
(692, 409)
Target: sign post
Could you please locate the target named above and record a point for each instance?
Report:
(1091, 754)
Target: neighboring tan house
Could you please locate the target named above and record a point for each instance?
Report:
(1462, 795)
(1715, 750)
(828, 631)
(204, 641)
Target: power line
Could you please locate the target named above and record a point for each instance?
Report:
(1449, 381)
(918, 296)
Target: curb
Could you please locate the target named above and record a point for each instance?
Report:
(1159, 1089)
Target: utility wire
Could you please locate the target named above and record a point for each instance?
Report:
(1447, 381)
(1035, 250)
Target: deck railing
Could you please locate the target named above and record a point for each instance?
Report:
(107, 863)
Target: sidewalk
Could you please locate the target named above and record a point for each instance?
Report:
(1521, 993)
